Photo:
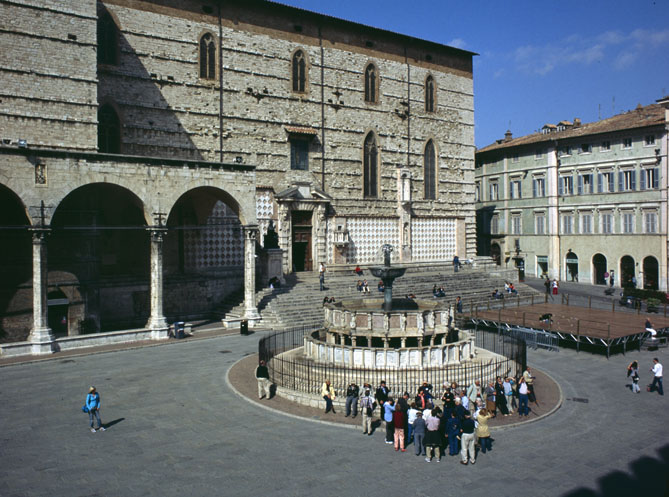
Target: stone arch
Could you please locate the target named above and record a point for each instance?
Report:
(599, 264)
(651, 273)
(627, 271)
(99, 238)
(15, 267)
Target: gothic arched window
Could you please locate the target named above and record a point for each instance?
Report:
(207, 57)
(107, 40)
(299, 71)
(429, 94)
(429, 172)
(371, 84)
(370, 167)
(109, 130)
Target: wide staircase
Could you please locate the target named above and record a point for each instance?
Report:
(300, 302)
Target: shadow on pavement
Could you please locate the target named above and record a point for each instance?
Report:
(650, 476)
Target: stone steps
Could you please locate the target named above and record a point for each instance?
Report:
(299, 302)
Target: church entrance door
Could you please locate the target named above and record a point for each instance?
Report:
(302, 246)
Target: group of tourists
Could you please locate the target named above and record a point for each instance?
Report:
(455, 421)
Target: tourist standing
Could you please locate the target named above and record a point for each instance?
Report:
(500, 397)
(388, 409)
(411, 417)
(453, 432)
(262, 376)
(483, 431)
(657, 376)
(432, 441)
(398, 423)
(456, 263)
(490, 398)
(473, 391)
(523, 408)
(468, 451)
(508, 393)
(321, 276)
(352, 394)
(328, 394)
(529, 379)
(382, 395)
(93, 404)
(419, 429)
(611, 279)
(633, 373)
(555, 287)
(458, 305)
(367, 409)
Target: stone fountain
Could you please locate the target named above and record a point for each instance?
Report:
(393, 340)
(388, 275)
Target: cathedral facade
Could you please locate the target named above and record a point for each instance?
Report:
(147, 147)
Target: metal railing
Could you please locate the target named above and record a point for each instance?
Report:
(299, 374)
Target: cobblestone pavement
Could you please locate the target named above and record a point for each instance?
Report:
(176, 428)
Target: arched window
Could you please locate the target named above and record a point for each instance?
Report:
(370, 167)
(207, 57)
(429, 172)
(371, 84)
(109, 130)
(429, 94)
(107, 40)
(299, 72)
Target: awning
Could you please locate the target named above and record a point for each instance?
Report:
(302, 131)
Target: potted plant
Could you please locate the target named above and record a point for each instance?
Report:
(652, 305)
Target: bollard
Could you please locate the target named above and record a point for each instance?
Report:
(567, 299)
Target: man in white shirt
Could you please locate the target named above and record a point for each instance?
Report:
(657, 379)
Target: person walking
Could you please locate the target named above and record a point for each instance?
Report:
(262, 376)
(633, 373)
(657, 376)
(321, 276)
(611, 279)
(367, 409)
(328, 394)
(93, 405)
(555, 287)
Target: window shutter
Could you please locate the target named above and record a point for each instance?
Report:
(611, 186)
(599, 182)
(621, 179)
(580, 185)
(643, 179)
(534, 188)
(560, 186)
(633, 182)
(656, 178)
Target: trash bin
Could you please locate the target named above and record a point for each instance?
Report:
(179, 329)
(244, 327)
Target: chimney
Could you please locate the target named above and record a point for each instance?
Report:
(577, 122)
(508, 135)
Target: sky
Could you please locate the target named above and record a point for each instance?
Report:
(539, 62)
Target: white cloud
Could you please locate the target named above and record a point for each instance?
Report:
(586, 50)
(457, 43)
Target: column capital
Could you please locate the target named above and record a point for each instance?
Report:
(39, 235)
(251, 231)
(157, 233)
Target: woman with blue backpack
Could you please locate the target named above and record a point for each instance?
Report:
(92, 407)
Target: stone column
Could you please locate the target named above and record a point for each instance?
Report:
(41, 336)
(250, 310)
(157, 322)
(285, 241)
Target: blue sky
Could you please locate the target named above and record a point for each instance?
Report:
(539, 62)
